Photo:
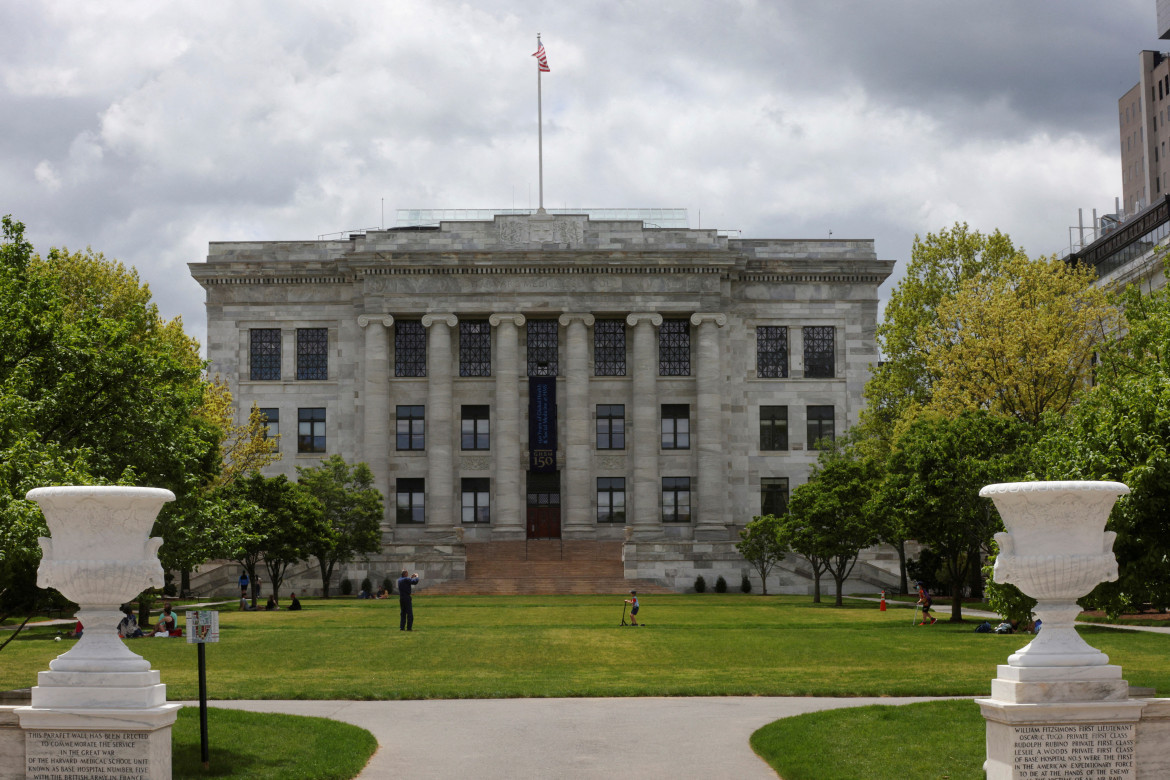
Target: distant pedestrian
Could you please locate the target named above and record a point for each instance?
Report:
(633, 602)
(244, 590)
(927, 602)
(405, 608)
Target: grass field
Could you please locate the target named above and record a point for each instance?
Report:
(486, 647)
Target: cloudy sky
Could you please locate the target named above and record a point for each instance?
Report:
(146, 129)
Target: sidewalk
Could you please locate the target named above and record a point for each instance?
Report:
(942, 612)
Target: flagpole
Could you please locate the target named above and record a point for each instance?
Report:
(539, 132)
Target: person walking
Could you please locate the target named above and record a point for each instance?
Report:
(927, 602)
(405, 608)
(243, 590)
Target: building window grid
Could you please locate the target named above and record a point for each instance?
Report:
(475, 348)
(410, 348)
(611, 426)
(821, 425)
(543, 338)
(674, 348)
(676, 426)
(676, 499)
(773, 495)
(311, 430)
(411, 500)
(773, 427)
(772, 352)
(411, 428)
(264, 354)
(475, 430)
(312, 353)
(609, 348)
(271, 419)
(476, 500)
(611, 499)
(819, 359)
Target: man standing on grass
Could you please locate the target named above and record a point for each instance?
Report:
(405, 609)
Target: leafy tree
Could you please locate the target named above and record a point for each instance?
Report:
(352, 513)
(760, 546)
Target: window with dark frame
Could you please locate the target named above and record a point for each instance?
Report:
(474, 430)
(821, 425)
(773, 428)
(411, 429)
(676, 426)
(411, 504)
(410, 348)
(543, 336)
(312, 353)
(772, 352)
(609, 348)
(676, 499)
(611, 426)
(819, 352)
(271, 418)
(475, 348)
(611, 499)
(264, 354)
(674, 348)
(311, 429)
(476, 500)
(773, 495)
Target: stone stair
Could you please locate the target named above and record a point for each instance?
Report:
(544, 567)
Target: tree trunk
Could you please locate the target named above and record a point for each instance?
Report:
(326, 576)
(816, 586)
(840, 583)
(957, 601)
(184, 582)
(904, 584)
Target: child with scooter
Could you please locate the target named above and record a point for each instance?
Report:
(633, 602)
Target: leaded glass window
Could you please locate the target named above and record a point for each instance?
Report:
(410, 348)
(476, 500)
(676, 499)
(611, 499)
(475, 348)
(773, 427)
(819, 359)
(611, 426)
(676, 426)
(411, 495)
(609, 348)
(674, 348)
(271, 418)
(264, 355)
(821, 425)
(543, 336)
(411, 432)
(773, 495)
(311, 430)
(312, 353)
(772, 352)
(475, 433)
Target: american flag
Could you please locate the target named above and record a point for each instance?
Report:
(541, 58)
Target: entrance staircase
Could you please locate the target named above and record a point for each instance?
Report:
(545, 567)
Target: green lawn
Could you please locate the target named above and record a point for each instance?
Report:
(695, 645)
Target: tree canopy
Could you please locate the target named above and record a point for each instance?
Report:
(760, 546)
(352, 513)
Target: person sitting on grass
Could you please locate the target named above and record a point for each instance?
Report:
(128, 626)
(633, 602)
(295, 603)
(926, 601)
(166, 621)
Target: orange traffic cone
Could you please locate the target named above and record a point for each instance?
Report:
(882, 608)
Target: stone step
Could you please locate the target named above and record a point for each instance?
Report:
(542, 586)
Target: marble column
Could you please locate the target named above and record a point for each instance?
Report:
(377, 430)
(645, 435)
(440, 513)
(576, 490)
(712, 481)
(508, 510)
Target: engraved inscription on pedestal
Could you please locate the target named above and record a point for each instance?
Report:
(1098, 750)
(115, 755)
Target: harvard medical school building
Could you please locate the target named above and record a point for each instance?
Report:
(553, 376)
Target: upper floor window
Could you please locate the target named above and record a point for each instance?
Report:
(821, 425)
(311, 430)
(264, 355)
(611, 499)
(676, 499)
(474, 432)
(476, 500)
(410, 348)
(773, 427)
(411, 504)
(819, 352)
(611, 426)
(609, 348)
(773, 495)
(674, 348)
(772, 352)
(312, 353)
(411, 428)
(271, 417)
(676, 426)
(475, 348)
(542, 348)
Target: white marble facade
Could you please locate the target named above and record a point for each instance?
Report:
(575, 272)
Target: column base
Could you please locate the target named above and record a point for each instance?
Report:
(509, 534)
(711, 533)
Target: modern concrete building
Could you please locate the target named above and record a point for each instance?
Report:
(522, 377)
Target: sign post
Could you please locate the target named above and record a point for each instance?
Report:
(203, 627)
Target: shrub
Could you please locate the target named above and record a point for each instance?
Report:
(367, 586)
(388, 584)
(346, 587)
(720, 585)
(745, 585)
(700, 584)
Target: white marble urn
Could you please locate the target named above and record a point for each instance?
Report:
(1056, 550)
(100, 554)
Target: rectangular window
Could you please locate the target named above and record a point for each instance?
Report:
(773, 427)
(411, 428)
(609, 348)
(676, 426)
(611, 499)
(264, 359)
(311, 430)
(676, 499)
(820, 425)
(773, 495)
(772, 352)
(271, 421)
(312, 353)
(410, 348)
(476, 492)
(674, 348)
(474, 432)
(611, 426)
(411, 500)
(543, 336)
(475, 348)
(819, 353)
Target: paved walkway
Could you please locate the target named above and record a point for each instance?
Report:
(511, 739)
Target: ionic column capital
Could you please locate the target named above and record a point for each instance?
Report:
(654, 318)
(450, 320)
(569, 317)
(365, 319)
(698, 318)
(514, 318)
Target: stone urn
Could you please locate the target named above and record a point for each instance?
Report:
(100, 555)
(1056, 550)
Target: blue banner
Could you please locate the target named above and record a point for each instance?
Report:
(542, 424)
